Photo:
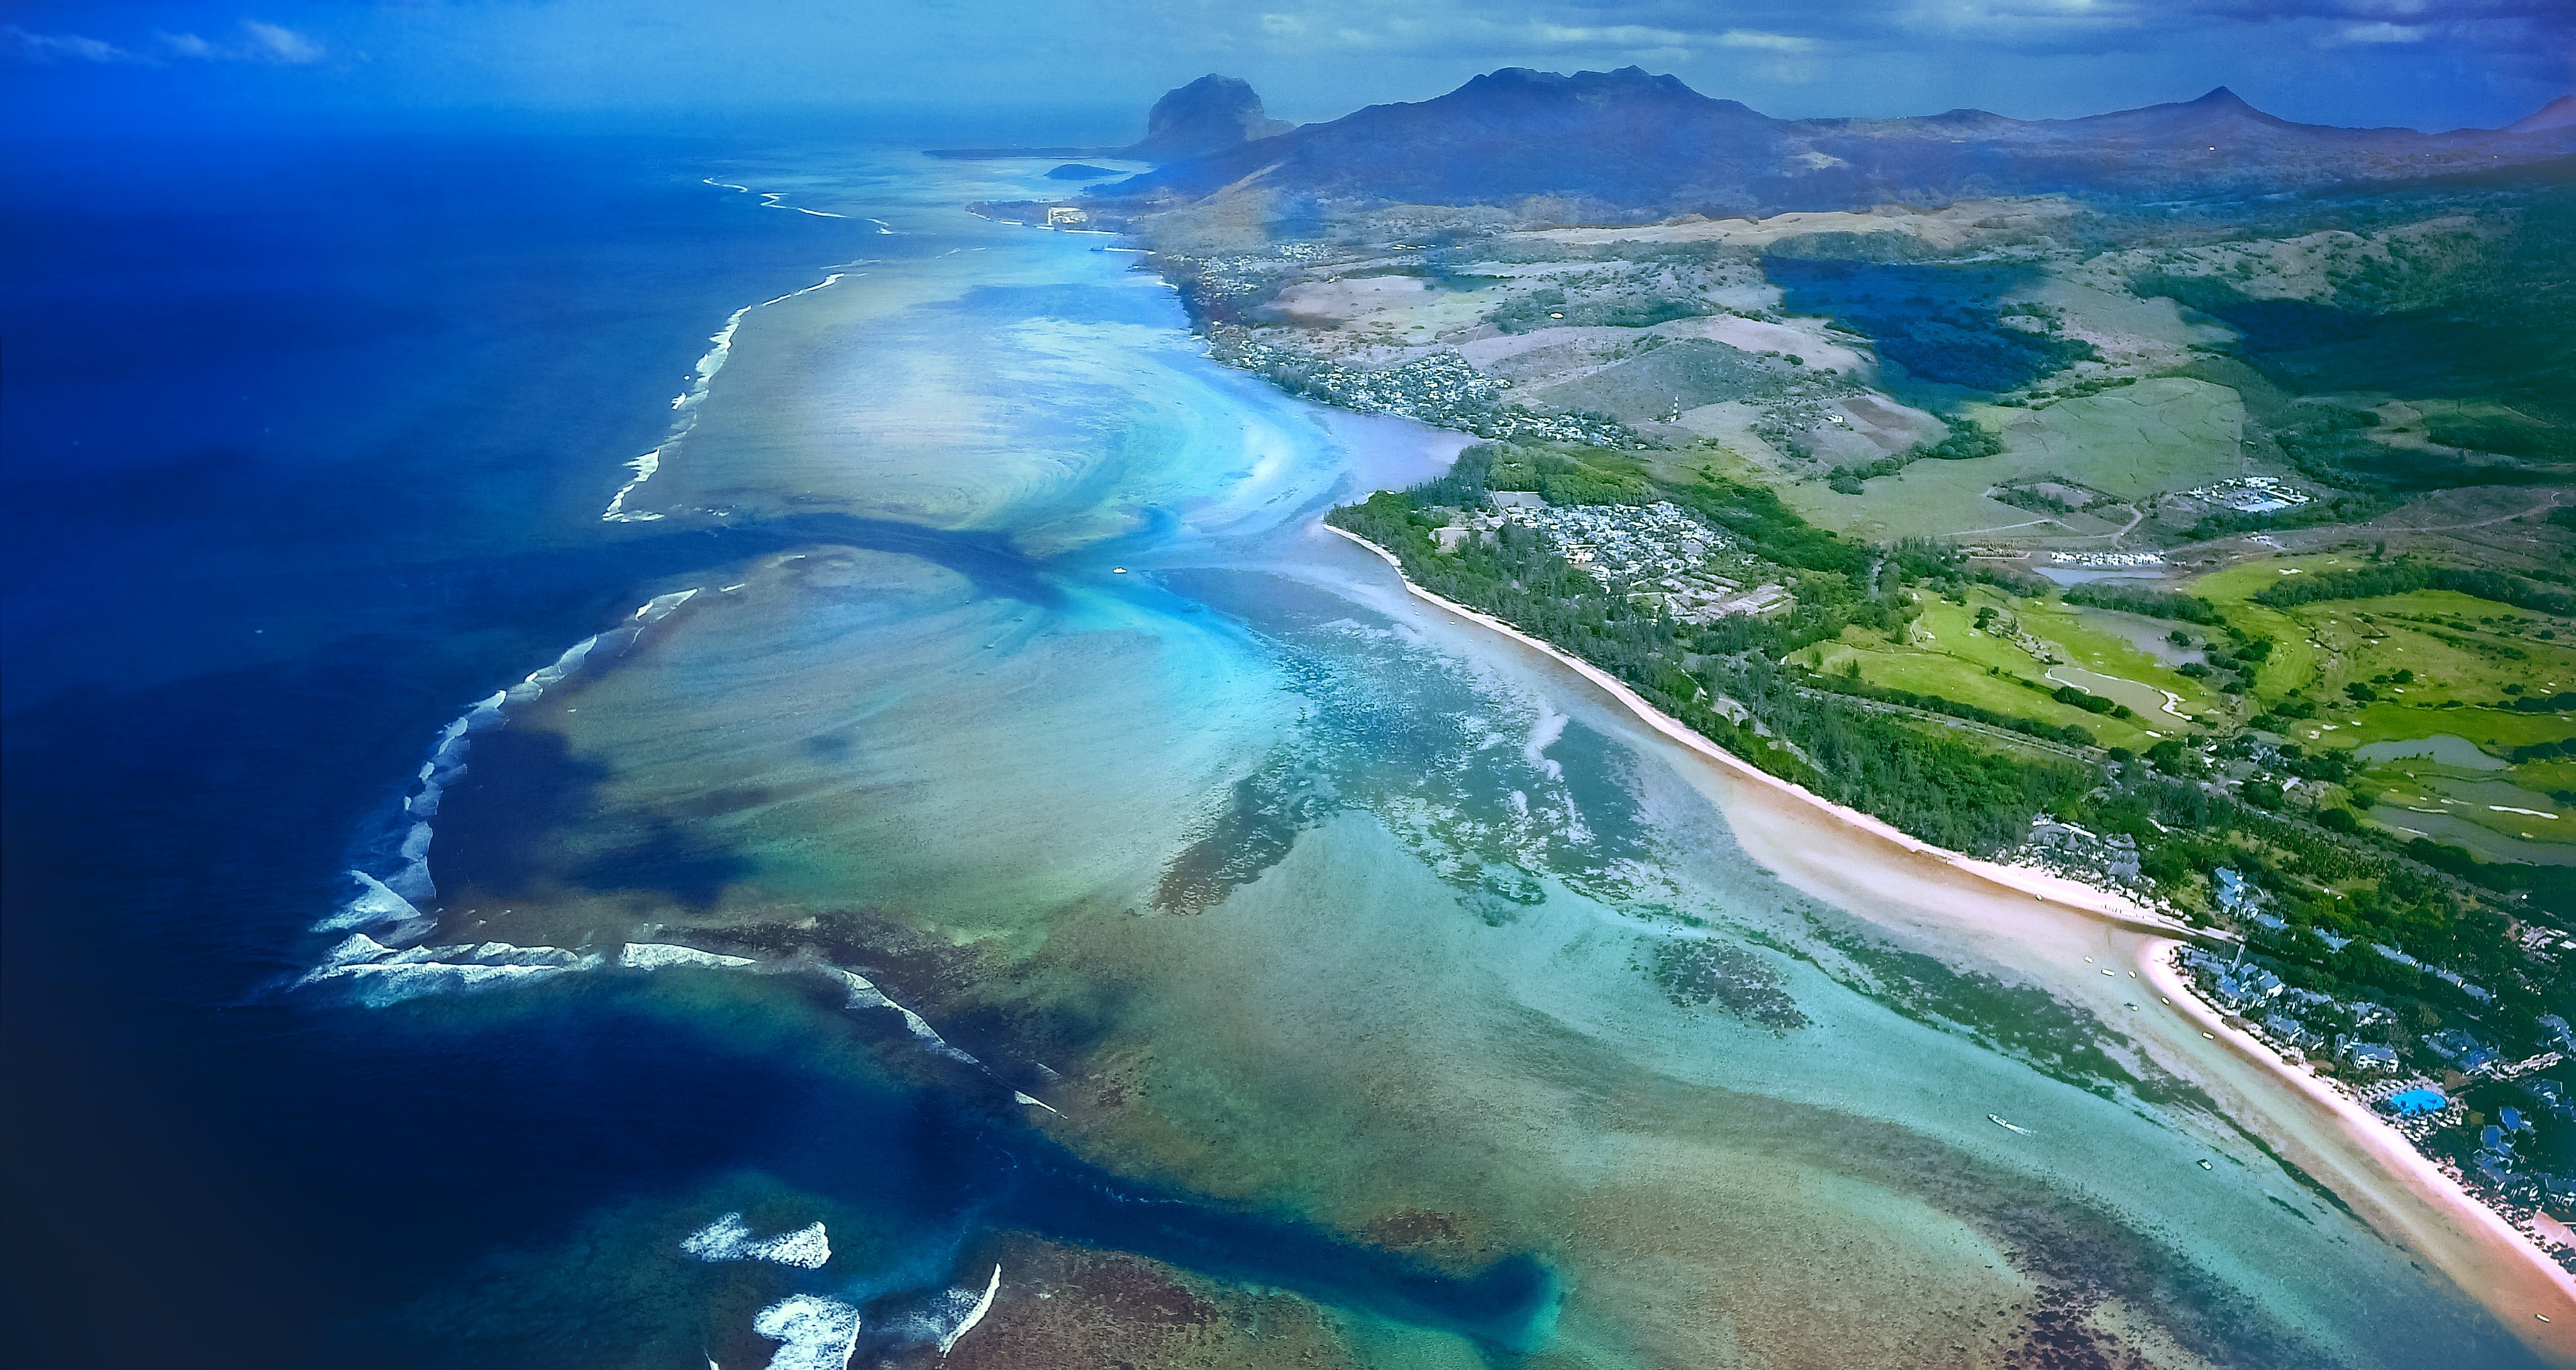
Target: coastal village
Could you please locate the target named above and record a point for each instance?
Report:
(1653, 553)
(2475, 1113)
(1440, 389)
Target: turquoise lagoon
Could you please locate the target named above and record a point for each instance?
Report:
(1415, 984)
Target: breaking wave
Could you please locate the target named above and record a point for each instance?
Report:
(391, 896)
(686, 403)
(949, 1315)
(380, 975)
(727, 1239)
(815, 1333)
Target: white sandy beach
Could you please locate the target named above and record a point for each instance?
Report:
(2059, 933)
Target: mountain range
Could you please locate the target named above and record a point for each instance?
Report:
(1627, 143)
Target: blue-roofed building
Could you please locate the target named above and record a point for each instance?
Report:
(2417, 1102)
(2558, 1028)
(2233, 890)
(2461, 1049)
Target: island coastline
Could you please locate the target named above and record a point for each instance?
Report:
(2497, 1265)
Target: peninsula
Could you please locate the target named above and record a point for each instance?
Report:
(1953, 493)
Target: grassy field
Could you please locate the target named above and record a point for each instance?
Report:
(2461, 655)
(2089, 642)
(1943, 652)
(2296, 660)
(2138, 440)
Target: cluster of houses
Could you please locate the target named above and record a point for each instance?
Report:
(2250, 495)
(1439, 388)
(2413, 1102)
(2106, 561)
(1656, 551)
(2079, 853)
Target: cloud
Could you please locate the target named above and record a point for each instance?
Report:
(259, 42)
(271, 44)
(2382, 32)
(1766, 42)
(63, 47)
(1614, 36)
(278, 43)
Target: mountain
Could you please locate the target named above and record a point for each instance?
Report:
(1207, 117)
(1210, 114)
(2557, 114)
(1628, 143)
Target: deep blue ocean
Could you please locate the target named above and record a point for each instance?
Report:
(305, 440)
(302, 441)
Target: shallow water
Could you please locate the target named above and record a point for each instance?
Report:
(1215, 904)
(1278, 891)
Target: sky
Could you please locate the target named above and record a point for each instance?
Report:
(1084, 69)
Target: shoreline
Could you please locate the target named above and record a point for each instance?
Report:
(2491, 1261)
(2390, 1147)
(2038, 884)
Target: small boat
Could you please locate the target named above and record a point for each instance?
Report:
(1998, 1121)
(2207, 1166)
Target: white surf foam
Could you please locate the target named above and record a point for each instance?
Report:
(815, 1333)
(375, 906)
(728, 1239)
(686, 403)
(974, 1314)
(949, 1315)
(867, 996)
(396, 892)
(1550, 727)
(656, 955)
(380, 975)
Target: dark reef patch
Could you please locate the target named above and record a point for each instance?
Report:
(1700, 973)
(1251, 829)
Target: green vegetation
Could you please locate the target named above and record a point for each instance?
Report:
(2381, 736)
(1934, 785)
(2399, 578)
(1965, 442)
(1549, 308)
(1564, 479)
(2105, 594)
